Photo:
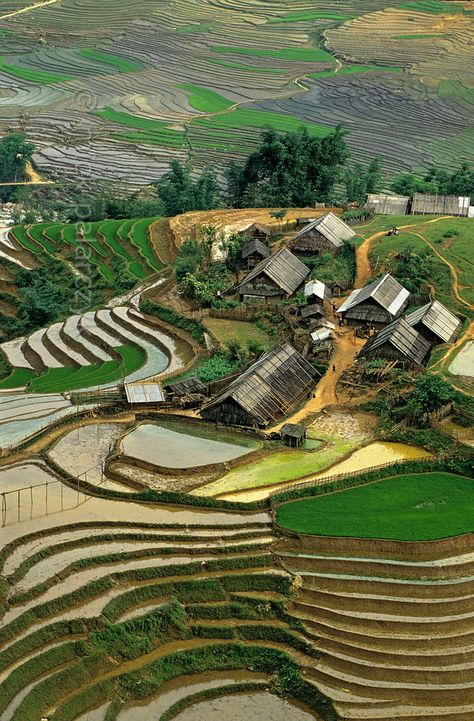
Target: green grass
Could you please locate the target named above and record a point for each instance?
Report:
(34, 76)
(225, 330)
(435, 6)
(121, 64)
(205, 100)
(412, 507)
(57, 380)
(155, 132)
(248, 68)
(354, 69)
(37, 232)
(19, 377)
(308, 16)
(244, 117)
(109, 230)
(278, 467)
(139, 237)
(19, 233)
(455, 90)
(304, 55)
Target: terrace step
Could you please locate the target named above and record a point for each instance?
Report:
(397, 588)
(59, 348)
(35, 344)
(98, 336)
(77, 340)
(14, 353)
(405, 713)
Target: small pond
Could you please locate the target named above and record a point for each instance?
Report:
(263, 706)
(183, 446)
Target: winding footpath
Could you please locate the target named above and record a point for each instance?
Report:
(27, 9)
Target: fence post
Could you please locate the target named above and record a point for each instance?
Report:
(46, 497)
(4, 509)
(18, 505)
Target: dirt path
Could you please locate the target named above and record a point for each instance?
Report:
(364, 271)
(27, 9)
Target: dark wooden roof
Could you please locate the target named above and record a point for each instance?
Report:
(255, 246)
(293, 430)
(283, 268)
(438, 319)
(186, 386)
(386, 292)
(331, 227)
(405, 339)
(383, 204)
(272, 385)
(255, 227)
(309, 310)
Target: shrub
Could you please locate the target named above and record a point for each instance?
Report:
(195, 329)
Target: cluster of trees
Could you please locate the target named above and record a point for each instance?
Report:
(414, 268)
(437, 180)
(15, 153)
(179, 193)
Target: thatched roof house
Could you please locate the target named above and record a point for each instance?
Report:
(293, 434)
(423, 204)
(378, 303)
(398, 341)
(323, 235)
(315, 291)
(253, 252)
(383, 204)
(256, 231)
(435, 322)
(274, 278)
(268, 390)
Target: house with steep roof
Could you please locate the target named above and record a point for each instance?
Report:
(253, 252)
(275, 278)
(324, 235)
(379, 303)
(316, 292)
(268, 390)
(256, 231)
(398, 341)
(435, 322)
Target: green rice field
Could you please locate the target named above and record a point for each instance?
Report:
(412, 507)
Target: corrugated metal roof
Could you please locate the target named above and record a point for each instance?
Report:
(322, 334)
(386, 291)
(143, 393)
(331, 227)
(317, 288)
(408, 341)
(283, 268)
(383, 204)
(438, 319)
(255, 246)
(272, 385)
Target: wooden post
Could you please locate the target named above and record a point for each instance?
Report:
(31, 501)
(4, 509)
(46, 497)
(18, 501)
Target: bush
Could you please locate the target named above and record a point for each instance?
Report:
(195, 329)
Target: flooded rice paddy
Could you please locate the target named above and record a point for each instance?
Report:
(259, 705)
(183, 446)
(374, 454)
(463, 364)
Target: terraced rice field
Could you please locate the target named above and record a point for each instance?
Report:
(95, 349)
(99, 91)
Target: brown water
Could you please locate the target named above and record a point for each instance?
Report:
(176, 690)
(374, 454)
(255, 706)
(180, 447)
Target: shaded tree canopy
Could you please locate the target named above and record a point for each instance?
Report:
(179, 193)
(288, 170)
(15, 152)
(437, 180)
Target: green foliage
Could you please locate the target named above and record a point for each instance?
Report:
(179, 193)
(15, 153)
(430, 438)
(436, 180)
(121, 64)
(414, 268)
(205, 100)
(193, 327)
(360, 181)
(188, 260)
(288, 170)
(430, 393)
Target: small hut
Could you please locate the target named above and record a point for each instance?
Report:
(186, 387)
(256, 232)
(399, 342)
(293, 435)
(377, 304)
(316, 292)
(435, 322)
(339, 287)
(302, 222)
(424, 204)
(144, 395)
(269, 389)
(274, 278)
(253, 252)
(324, 235)
(384, 204)
(312, 312)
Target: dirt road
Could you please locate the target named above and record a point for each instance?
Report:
(27, 9)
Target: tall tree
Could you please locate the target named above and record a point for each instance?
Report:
(15, 152)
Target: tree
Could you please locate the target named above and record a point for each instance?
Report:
(15, 152)
(180, 194)
(430, 393)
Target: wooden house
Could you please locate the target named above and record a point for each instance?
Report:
(273, 279)
(424, 204)
(324, 235)
(379, 303)
(293, 435)
(269, 389)
(435, 322)
(383, 204)
(400, 342)
(188, 386)
(312, 312)
(256, 232)
(316, 292)
(253, 252)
